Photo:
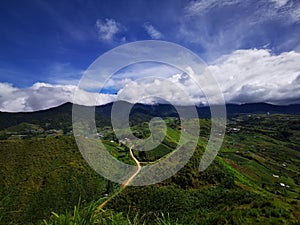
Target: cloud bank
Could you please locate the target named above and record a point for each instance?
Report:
(245, 76)
(43, 96)
(258, 76)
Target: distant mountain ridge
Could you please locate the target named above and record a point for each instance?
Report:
(63, 113)
(261, 108)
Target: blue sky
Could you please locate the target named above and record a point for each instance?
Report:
(50, 43)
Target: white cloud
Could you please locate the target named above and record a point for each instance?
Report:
(289, 11)
(244, 76)
(296, 14)
(258, 76)
(107, 29)
(42, 96)
(220, 27)
(147, 69)
(156, 90)
(197, 27)
(254, 75)
(280, 3)
(152, 31)
(202, 6)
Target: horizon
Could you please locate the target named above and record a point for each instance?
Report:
(252, 49)
(157, 105)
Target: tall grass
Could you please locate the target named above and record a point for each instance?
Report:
(91, 215)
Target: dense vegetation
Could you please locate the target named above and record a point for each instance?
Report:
(255, 179)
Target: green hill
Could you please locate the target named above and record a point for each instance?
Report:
(255, 178)
(42, 175)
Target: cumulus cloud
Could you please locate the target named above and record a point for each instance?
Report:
(107, 29)
(156, 90)
(245, 76)
(152, 31)
(42, 96)
(258, 76)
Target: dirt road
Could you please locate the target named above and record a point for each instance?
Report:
(126, 182)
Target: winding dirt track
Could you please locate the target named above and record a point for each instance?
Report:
(126, 182)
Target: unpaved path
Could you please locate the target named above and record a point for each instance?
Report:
(126, 182)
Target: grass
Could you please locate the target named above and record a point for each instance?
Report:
(90, 215)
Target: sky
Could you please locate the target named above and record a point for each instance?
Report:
(252, 48)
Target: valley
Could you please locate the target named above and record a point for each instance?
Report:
(255, 179)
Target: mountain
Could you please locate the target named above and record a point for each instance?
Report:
(166, 110)
(54, 116)
(263, 108)
(254, 179)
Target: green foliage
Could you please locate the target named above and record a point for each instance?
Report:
(88, 215)
(47, 174)
(202, 206)
(42, 175)
(91, 215)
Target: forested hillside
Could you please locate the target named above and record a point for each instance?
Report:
(255, 179)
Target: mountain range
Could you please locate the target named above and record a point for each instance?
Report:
(55, 115)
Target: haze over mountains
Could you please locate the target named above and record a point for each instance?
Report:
(64, 112)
